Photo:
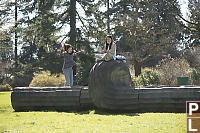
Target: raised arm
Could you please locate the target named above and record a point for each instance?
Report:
(77, 53)
(62, 51)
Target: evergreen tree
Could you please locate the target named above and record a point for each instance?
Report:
(146, 28)
(191, 36)
(41, 28)
(194, 24)
(6, 44)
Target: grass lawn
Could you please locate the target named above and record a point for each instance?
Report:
(87, 121)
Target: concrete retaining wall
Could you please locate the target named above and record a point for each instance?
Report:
(162, 99)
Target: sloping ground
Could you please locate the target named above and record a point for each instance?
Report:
(89, 121)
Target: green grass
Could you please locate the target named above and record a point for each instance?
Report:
(88, 121)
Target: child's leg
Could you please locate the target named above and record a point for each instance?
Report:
(67, 76)
(71, 77)
(114, 57)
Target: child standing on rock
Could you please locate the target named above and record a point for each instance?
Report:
(69, 62)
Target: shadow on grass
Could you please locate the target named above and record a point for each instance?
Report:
(3, 92)
(106, 112)
(4, 109)
(90, 111)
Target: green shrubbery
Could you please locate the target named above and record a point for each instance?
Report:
(147, 78)
(166, 73)
(46, 79)
(5, 87)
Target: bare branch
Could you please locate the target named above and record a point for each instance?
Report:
(186, 20)
(183, 24)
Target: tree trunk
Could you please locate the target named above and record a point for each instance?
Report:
(108, 17)
(73, 23)
(137, 67)
(16, 31)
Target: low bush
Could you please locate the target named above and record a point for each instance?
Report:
(5, 87)
(171, 68)
(20, 80)
(147, 78)
(46, 79)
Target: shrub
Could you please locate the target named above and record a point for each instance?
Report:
(195, 76)
(147, 78)
(5, 87)
(46, 79)
(20, 80)
(171, 68)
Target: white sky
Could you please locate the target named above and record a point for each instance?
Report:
(184, 8)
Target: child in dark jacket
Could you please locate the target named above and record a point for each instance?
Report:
(69, 62)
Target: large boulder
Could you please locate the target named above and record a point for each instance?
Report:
(110, 86)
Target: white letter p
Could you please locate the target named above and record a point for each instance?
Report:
(193, 109)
